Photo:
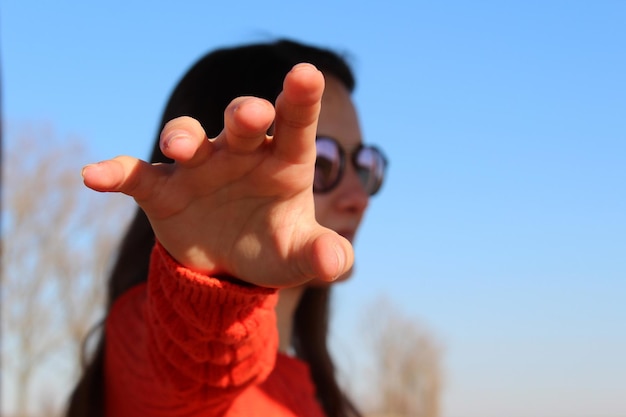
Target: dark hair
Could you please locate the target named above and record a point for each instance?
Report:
(203, 93)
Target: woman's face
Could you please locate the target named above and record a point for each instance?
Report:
(341, 209)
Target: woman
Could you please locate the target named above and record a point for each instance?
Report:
(244, 250)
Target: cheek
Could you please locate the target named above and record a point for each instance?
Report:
(322, 209)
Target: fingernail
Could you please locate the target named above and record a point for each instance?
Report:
(171, 137)
(88, 167)
(303, 65)
(341, 260)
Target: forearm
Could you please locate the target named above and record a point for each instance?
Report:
(187, 341)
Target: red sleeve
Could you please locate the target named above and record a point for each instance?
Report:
(186, 342)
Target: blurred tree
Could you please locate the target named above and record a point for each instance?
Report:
(57, 238)
(406, 360)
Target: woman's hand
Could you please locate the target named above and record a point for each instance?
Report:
(240, 204)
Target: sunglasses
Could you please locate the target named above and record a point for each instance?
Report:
(330, 165)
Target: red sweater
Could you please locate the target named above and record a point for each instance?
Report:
(185, 344)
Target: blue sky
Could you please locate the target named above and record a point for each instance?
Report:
(503, 224)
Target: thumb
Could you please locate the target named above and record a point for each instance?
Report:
(329, 256)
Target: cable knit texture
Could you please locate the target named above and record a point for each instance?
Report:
(185, 344)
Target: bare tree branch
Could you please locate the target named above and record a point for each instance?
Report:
(406, 364)
(57, 242)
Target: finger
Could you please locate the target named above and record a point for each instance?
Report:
(123, 174)
(184, 140)
(297, 111)
(246, 122)
(329, 256)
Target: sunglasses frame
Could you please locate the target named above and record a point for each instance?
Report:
(353, 156)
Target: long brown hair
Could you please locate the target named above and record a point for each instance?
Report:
(203, 93)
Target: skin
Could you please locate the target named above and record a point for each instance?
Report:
(243, 199)
(342, 208)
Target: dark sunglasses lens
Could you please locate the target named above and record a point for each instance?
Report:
(327, 165)
(370, 165)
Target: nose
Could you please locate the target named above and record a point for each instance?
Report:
(353, 197)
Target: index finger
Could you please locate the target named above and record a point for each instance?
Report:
(297, 111)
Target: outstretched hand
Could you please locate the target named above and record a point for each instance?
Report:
(240, 204)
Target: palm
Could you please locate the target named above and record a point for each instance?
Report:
(242, 204)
